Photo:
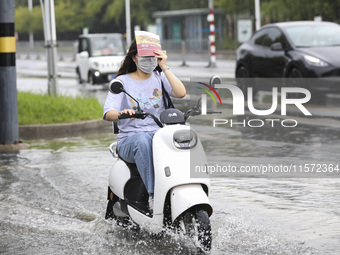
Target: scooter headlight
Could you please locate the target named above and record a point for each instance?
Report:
(185, 139)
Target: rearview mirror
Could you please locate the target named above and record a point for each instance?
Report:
(215, 80)
(276, 46)
(116, 86)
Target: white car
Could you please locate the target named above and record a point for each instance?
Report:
(99, 57)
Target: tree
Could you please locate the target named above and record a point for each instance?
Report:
(188, 4)
(109, 15)
(23, 19)
(284, 10)
(235, 6)
(69, 16)
(26, 21)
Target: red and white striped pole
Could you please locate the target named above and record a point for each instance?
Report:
(211, 19)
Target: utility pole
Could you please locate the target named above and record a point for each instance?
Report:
(31, 38)
(211, 20)
(50, 44)
(128, 22)
(9, 129)
(257, 15)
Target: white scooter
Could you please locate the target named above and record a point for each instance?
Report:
(180, 199)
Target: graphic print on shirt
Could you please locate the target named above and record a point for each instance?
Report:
(148, 102)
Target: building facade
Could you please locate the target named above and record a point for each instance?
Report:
(189, 26)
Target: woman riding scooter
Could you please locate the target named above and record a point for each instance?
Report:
(149, 78)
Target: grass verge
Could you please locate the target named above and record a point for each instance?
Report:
(36, 109)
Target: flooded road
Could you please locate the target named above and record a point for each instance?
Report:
(53, 194)
(276, 215)
(53, 197)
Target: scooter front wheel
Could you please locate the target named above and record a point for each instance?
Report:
(196, 225)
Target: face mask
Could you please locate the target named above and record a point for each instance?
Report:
(147, 64)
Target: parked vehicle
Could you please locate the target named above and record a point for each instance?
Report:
(302, 49)
(181, 201)
(99, 57)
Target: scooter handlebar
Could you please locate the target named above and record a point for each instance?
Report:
(213, 112)
(139, 115)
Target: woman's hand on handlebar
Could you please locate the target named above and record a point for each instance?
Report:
(127, 111)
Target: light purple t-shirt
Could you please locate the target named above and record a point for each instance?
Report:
(150, 97)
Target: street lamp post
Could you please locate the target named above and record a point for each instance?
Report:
(257, 15)
(50, 44)
(128, 22)
(31, 38)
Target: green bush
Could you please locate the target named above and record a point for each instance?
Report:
(45, 109)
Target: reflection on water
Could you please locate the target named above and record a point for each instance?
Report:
(278, 216)
(53, 198)
(305, 142)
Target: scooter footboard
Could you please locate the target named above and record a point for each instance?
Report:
(186, 196)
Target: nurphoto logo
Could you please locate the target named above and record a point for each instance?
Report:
(238, 105)
(204, 97)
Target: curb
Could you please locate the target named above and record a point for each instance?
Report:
(13, 147)
(59, 130)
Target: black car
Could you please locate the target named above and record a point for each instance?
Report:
(301, 49)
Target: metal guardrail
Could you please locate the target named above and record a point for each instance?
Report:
(178, 50)
(66, 49)
(187, 50)
(196, 46)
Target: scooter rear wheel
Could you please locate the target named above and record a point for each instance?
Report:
(196, 225)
